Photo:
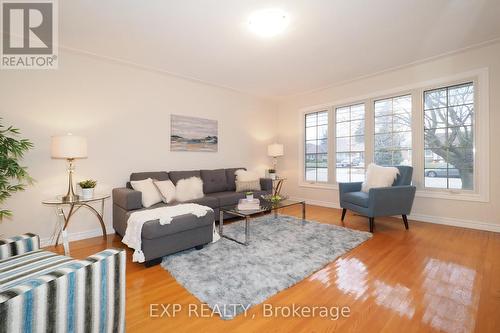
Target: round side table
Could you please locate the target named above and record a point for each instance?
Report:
(74, 206)
(277, 184)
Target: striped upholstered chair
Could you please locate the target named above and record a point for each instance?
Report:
(41, 291)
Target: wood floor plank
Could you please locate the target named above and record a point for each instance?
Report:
(431, 278)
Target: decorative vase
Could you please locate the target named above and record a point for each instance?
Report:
(87, 193)
(249, 197)
(272, 176)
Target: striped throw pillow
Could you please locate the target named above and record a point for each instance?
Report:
(243, 186)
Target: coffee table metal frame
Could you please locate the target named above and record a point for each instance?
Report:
(247, 215)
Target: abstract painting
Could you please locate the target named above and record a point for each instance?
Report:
(193, 134)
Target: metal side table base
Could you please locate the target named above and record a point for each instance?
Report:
(74, 206)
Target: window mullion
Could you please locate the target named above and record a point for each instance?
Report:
(331, 145)
(369, 131)
(418, 145)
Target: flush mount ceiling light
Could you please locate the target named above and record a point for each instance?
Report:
(268, 22)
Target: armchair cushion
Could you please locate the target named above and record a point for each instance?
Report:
(404, 176)
(357, 198)
(393, 200)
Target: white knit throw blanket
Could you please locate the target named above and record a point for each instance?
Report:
(165, 215)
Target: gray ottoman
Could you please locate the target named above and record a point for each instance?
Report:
(184, 232)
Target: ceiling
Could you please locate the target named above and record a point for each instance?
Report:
(327, 42)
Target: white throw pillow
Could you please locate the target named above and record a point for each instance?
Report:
(246, 176)
(189, 189)
(150, 194)
(167, 190)
(378, 176)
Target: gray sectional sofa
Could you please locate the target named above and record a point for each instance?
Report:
(185, 231)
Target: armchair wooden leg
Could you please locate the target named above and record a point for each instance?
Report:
(343, 214)
(372, 224)
(405, 220)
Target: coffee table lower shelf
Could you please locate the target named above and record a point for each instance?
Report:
(248, 215)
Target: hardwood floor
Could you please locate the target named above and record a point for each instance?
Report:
(429, 278)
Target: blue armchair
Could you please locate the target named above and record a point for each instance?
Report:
(383, 201)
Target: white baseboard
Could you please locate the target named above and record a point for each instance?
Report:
(451, 221)
(328, 204)
(74, 236)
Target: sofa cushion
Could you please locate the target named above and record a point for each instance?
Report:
(158, 175)
(153, 229)
(175, 176)
(356, 198)
(205, 201)
(231, 178)
(227, 198)
(214, 180)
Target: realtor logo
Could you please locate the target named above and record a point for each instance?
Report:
(29, 39)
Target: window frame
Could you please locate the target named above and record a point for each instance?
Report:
(334, 126)
(392, 132)
(328, 134)
(480, 80)
(474, 131)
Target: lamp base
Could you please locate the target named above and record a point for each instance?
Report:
(70, 198)
(70, 195)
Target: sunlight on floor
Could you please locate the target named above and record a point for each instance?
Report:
(396, 298)
(451, 303)
(351, 278)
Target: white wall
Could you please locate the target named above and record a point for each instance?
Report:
(471, 214)
(125, 114)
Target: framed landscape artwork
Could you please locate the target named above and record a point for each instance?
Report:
(193, 134)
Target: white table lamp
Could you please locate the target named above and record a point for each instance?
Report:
(275, 150)
(69, 147)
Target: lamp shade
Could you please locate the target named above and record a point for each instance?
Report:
(275, 150)
(69, 146)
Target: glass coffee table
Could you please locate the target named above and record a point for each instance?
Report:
(248, 214)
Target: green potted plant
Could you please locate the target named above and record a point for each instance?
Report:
(13, 176)
(249, 195)
(87, 188)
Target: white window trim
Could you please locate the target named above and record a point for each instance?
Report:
(481, 191)
(334, 144)
(301, 159)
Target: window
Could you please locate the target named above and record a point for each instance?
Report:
(440, 127)
(316, 147)
(449, 137)
(350, 143)
(393, 131)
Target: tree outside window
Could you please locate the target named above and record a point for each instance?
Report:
(449, 137)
